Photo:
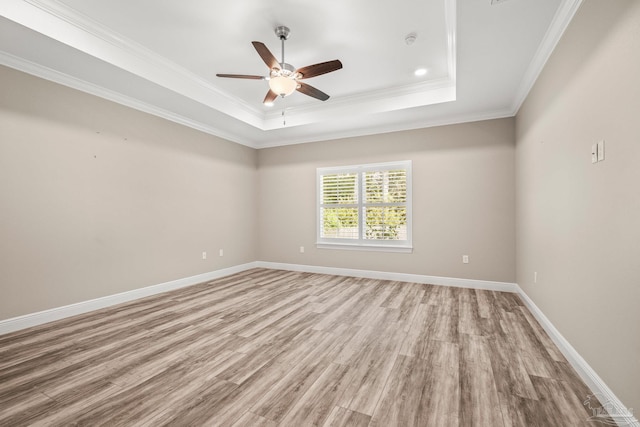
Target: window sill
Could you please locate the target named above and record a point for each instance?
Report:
(371, 248)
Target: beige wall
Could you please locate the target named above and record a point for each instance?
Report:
(578, 224)
(463, 200)
(97, 198)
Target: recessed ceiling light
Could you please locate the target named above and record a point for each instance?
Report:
(420, 72)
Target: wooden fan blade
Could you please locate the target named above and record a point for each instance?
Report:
(271, 96)
(312, 91)
(240, 76)
(266, 55)
(318, 69)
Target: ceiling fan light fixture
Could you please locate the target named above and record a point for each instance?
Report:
(282, 86)
(284, 78)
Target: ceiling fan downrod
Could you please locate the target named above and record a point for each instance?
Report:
(282, 33)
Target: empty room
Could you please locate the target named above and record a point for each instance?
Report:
(293, 213)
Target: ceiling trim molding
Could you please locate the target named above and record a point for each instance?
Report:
(450, 13)
(92, 89)
(407, 96)
(66, 25)
(58, 77)
(89, 38)
(396, 127)
(390, 99)
(561, 20)
(384, 93)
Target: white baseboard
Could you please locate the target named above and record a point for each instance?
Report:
(34, 319)
(401, 277)
(588, 375)
(41, 317)
(584, 370)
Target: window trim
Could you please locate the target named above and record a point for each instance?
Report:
(404, 246)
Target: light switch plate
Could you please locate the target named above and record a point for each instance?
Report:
(600, 150)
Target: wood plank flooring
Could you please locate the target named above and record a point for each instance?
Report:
(277, 348)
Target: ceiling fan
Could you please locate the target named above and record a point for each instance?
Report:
(283, 78)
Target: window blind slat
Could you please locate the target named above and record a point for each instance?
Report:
(340, 188)
(388, 186)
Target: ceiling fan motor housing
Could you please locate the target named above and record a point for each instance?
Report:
(286, 70)
(282, 32)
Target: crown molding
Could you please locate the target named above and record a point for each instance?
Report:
(451, 24)
(369, 97)
(58, 77)
(385, 100)
(394, 127)
(52, 18)
(62, 23)
(561, 20)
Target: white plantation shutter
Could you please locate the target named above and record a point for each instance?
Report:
(365, 206)
(339, 206)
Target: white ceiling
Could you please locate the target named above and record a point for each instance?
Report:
(161, 56)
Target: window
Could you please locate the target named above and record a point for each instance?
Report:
(365, 207)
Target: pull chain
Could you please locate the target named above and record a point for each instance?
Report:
(284, 120)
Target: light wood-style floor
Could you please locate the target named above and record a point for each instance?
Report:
(278, 348)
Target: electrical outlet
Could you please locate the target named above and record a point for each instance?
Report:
(465, 259)
(204, 255)
(301, 249)
(221, 252)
